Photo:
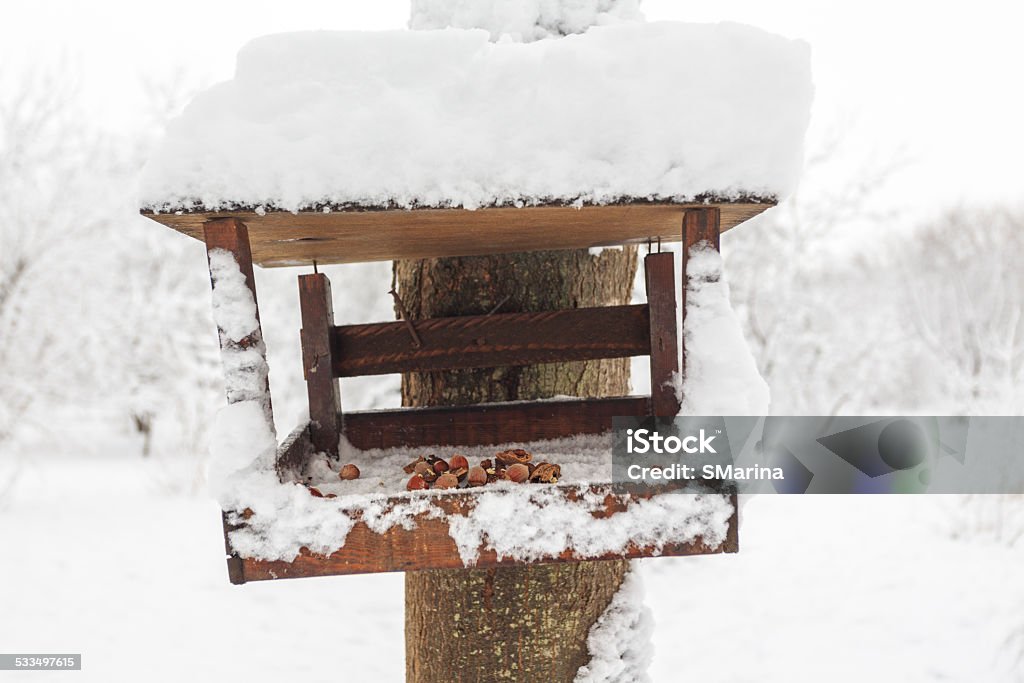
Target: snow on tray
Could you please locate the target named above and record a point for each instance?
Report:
(520, 521)
(444, 118)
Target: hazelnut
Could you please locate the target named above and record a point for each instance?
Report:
(446, 481)
(315, 492)
(422, 467)
(349, 472)
(440, 466)
(459, 472)
(517, 472)
(477, 476)
(458, 461)
(416, 482)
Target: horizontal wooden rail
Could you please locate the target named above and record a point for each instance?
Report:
(483, 341)
(488, 424)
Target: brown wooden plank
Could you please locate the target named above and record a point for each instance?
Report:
(700, 226)
(429, 546)
(485, 341)
(659, 275)
(232, 235)
(281, 238)
(487, 424)
(321, 386)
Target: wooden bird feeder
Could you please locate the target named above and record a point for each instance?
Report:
(278, 238)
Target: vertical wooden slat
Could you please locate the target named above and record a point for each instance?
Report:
(659, 277)
(700, 225)
(321, 386)
(231, 235)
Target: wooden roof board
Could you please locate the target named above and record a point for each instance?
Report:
(282, 238)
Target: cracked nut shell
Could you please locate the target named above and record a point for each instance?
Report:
(546, 473)
(514, 456)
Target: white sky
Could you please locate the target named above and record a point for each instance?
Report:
(938, 82)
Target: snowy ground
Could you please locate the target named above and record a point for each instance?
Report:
(96, 561)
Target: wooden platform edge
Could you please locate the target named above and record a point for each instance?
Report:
(428, 545)
(350, 235)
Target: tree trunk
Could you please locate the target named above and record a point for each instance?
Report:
(526, 623)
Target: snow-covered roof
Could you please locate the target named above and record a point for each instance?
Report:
(446, 118)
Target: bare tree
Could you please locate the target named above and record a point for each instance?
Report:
(49, 211)
(963, 295)
(787, 274)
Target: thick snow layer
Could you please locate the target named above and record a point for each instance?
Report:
(448, 118)
(520, 521)
(721, 375)
(620, 642)
(522, 19)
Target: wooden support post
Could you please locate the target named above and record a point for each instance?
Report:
(321, 385)
(700, 225)
(231, 235)
(659, 275)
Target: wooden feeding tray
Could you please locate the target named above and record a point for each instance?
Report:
(428, 544)
(331, 352)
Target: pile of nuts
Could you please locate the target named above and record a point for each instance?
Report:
(514, 465)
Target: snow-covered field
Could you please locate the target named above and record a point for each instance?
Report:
(96, 560)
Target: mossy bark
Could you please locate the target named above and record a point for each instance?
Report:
(526, 623)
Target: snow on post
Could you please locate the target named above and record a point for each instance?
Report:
(721, 375)
(620, 641)
(243, 438)
(243, 352)
(326, 120)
